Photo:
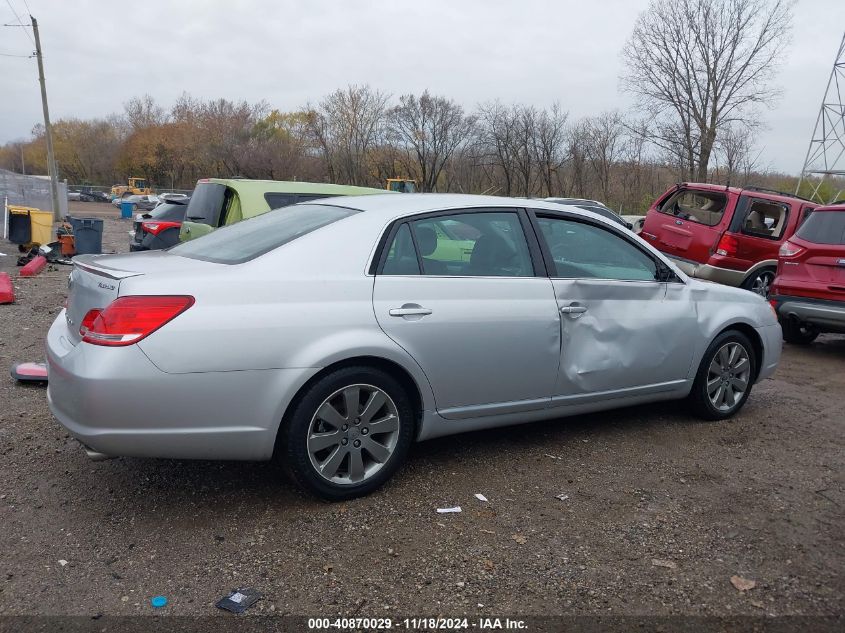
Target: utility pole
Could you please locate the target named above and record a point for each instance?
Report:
(48, 131)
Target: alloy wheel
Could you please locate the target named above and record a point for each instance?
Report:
(728, 376)
(762, 283)
(353, 434)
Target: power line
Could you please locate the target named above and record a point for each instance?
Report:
(11, 55)
(18, 18)
(28, 10)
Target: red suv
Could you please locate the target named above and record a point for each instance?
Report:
(809, 290)
(725, 234)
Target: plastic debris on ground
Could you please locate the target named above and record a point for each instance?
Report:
(668, 564)
(562, 497)
(480, 496)
(34, 266)
(158, 601)
(7, 290)
(743, 584)
(30, 372)
(448, 510)
(239, 600)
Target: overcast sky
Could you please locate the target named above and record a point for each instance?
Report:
(98, 53)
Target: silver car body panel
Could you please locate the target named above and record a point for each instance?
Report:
(488, 342)
(215, 382)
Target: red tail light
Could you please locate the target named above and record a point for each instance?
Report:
(88, 321)
(727, 246)
(157, 227)
(788, 249)
(127, 320)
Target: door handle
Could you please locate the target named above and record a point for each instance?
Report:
(573, 309)
(403, 312)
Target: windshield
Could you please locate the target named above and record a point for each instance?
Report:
(246, 240)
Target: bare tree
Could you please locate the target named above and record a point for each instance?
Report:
(549, 146)
(428, 130)
(703, 64)
(497, 134)
(347, 125)
(143, 112)
(734, 151)
(604, 138)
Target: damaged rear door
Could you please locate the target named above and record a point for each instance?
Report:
(625, 329)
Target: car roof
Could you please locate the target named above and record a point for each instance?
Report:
(391, 206)
(290, 186)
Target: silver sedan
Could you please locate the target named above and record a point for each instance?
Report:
(331, 336)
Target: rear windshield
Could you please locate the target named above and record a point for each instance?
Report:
(206, 203)
(247, 239)
(824, 227)
(702, 207)
(168, 212)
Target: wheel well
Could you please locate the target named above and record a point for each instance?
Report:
(394, 369)
(756, 342)
(766, 267)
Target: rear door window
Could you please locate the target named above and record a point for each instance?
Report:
(279, 200)
(766, 218)
(206, 205)
(474, 244)
(692, 205)
(824, 227)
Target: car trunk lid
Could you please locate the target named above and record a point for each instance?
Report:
(683, 226)
(95, 280)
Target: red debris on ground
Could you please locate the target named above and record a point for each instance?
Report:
(7, 291)
(34, 267)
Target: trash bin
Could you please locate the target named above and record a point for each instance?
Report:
(127, 209)
(20, 226)
(42, 227)
(87, 235)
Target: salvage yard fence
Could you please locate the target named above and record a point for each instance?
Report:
(18, 190)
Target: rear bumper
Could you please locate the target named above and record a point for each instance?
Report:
(117, 402)
(826, 315)
(697, 270)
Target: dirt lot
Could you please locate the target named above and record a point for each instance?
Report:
(661, 510)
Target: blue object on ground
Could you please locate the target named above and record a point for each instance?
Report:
(158, 601)
(126, 209)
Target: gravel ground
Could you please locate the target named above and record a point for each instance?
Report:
(660, 510)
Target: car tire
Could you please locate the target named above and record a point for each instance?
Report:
(712, 400)
(335, 453)
(760, 282)
(798, 333)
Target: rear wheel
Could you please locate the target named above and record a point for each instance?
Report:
(760, 282)
(798, 333)
(724, 377)
(348, 433)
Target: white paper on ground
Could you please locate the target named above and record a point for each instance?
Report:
(448, 510)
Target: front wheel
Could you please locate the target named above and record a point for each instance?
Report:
(348, 433)
(760, 282)
(724, 377)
